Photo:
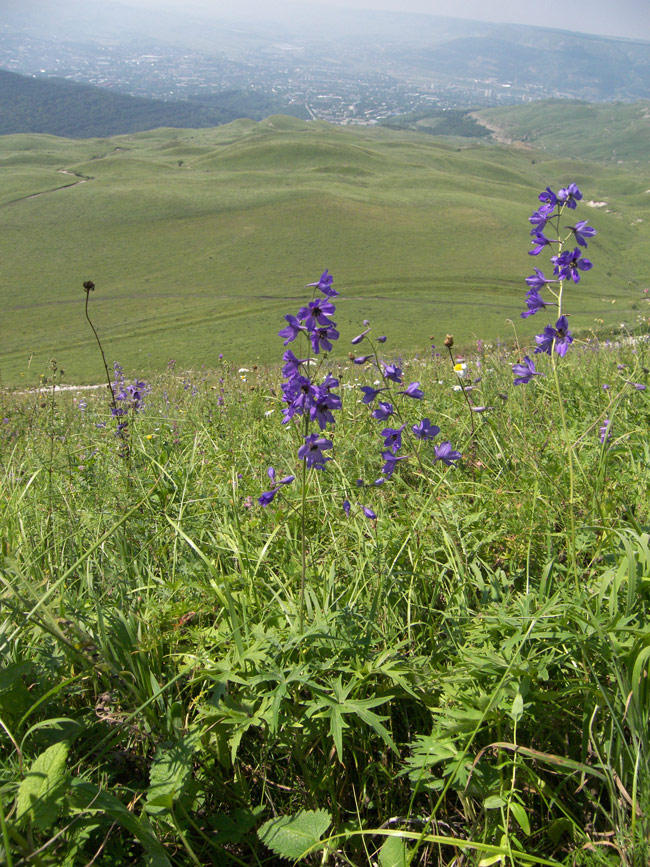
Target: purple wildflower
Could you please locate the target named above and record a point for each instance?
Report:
(538, 280)
(346, 507)
(383, 411)
(541, 241)
(317, 314)
(558, 337)
(292, 330)
(425, 430)
(605, 434)
(368, 513)
(548, 197)
(325, 284)
(359, 337)
(312, 451)
(393, 437)
(534, 303)
(413, 390)
(370, 393)
(568, 263)
(393, 372)
(569, 196)
(321, 337)
(446, 454)
(391, 462)
(525, 371)
(582, 231)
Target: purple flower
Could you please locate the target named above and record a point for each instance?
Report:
(368, 513)
(359, 337)
(541, 217)
(540, 240)
(582, 231)
(391, 462)
(413, 390)
(548, 197)
(346, 507)
(538, 280)
(383, 411)
(393, 437)
(425, 430)
(317, 314)
(639, 386)
(446, 454)
(393, 372)
(312, 451)
(534, 303)
(321, 337)
(370, 393)
(292, 330)
(267, 497)
(568, 263)
(525, 371)
(560, 337)
(605, 434)
(381, 339)
(292, 363)
(325, 284)
(361, 359)
(569, 196)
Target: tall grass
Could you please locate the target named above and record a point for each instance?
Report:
(455, 696)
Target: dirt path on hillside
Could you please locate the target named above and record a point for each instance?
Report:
(498, 132)
(55, 190)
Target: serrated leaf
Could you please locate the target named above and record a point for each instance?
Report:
(40, 793)
(292, 837)
(394, 853)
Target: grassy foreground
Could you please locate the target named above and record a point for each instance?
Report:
(470, 685)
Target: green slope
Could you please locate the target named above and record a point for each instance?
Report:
(200, 241)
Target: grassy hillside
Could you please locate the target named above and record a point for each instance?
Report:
(615, 132)
(196, 240)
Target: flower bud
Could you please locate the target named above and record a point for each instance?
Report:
(449, 341)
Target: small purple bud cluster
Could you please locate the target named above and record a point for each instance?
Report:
(128, 398)
(567, 264)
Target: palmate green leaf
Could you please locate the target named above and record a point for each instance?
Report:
(292, 837)
(41, 792)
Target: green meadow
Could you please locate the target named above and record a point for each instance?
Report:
(197, 239)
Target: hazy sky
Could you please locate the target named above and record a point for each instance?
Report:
(629, 18)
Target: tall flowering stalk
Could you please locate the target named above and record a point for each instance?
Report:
(568, 266)
(308, 401)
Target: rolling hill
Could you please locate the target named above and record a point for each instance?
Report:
(200, 240)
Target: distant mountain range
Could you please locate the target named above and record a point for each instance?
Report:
(72, 110)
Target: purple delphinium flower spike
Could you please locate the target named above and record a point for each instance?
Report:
(446, 454)
(525, 371)
(560, 337)
(425, 430)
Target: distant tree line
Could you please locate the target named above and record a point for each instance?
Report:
(66, 108)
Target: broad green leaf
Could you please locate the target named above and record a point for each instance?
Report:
(89, 797)
(170, 773)
(493, 802)
(40, 793)
(517, 708)
(394, 853)
(293, 836)
(521, 816)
